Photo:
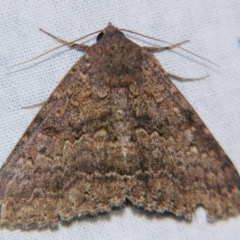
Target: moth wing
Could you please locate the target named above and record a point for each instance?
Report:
(50, 173)
(185, 166)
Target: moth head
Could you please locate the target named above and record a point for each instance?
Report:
(110, 30)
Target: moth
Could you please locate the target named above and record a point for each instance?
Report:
(115, 129)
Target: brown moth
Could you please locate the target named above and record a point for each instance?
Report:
(115, 128)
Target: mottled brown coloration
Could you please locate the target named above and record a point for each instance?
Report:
(115, 128)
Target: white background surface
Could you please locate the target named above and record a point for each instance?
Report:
(212, 27)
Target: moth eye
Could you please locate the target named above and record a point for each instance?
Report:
(99, 36)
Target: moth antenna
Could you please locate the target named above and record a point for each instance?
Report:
(31, 59)
(42, 54)
(160, 40)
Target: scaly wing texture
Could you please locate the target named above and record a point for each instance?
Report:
(185, 166)
(115, 128)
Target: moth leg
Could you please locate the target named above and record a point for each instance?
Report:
(184, 78)
(81, 47)
(159, 49)
(35, 105)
